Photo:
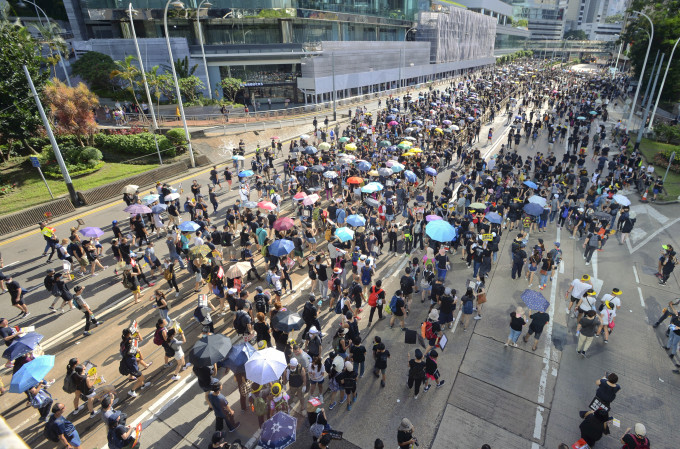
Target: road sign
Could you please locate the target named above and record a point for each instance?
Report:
(35, 162)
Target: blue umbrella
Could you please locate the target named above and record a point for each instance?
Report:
(417, 122)
(300, 168)
(410, 176)
(31, 373)
(441, 231)
(250, 205)
(310, 150)
(344, 234)
(533, 209)
(530, 184)
(356, 220)
(158, 208)
(237, 357)
(150, 198)
(395, 110)
(363, 166)
(91, 232)
(430, 171)
(493, 217)
(278, 432)
(392, 148)
(189, 226)
(391, 117)
(245, 174)
(535, 300)
(385, 171)
(281, 247)
(22, 345)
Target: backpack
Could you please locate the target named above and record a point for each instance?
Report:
(338, 306)
(60, 254)
(594, 241)
(295, 378)
(241, 322)
(268, 279)
(126, 282)
(158, 337)
(374, 296)
(393, 303)
(426, 331)
(69, 385)
(309, 312)
(261, 303)
(167, 274)
(365, 274)
(56, 291)
(260, 406)
(50, 432)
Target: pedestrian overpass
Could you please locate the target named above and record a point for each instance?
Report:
(561, 48)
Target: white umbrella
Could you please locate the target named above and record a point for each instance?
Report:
(621, 199)
(171, 197)
(266, 366)
(130, 189)
(538, 200)
(311, 199)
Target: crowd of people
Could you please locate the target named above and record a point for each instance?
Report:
(412, 180)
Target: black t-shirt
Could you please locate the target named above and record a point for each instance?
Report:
(358, 354)
(407, 283)
(80, 381)
(6, 332)
(441, 261)
(381, 359)
(321, 272)
(606, 392)
(538, 321)
(446, 304)
(400, 304)
(516, 323)
(403, 436)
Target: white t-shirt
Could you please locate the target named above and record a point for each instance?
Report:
(612, 299)
(588, 303)
(607, 315)
(579, 288)
(198, 241)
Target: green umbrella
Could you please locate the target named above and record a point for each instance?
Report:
(343, 139)
(385, 143)
(403, 146)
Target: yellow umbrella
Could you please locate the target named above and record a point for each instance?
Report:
(350, 147)
(406, 142)
(415, 150)
(373, 173)
(408, 154)
(439, 130)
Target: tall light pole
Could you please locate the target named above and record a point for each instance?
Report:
(132, 12)
(408, 31)
(177, 4)
(53, 141)
(200, 38)
(335, 92)
(564, 45)
(658, 97)
(22, 4)
(616, 65)
(644, 65)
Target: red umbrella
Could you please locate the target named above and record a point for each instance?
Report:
(266, 205)
(284, 224)
(354, 180)
(300, 196)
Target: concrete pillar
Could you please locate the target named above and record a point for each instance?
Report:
(215, 79)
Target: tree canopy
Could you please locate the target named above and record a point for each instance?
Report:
(578, 35)
(95, 68)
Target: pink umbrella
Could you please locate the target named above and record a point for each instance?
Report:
(311, 199)
(266, 205)
(393, 123)
(433, 218)
(300, 196)
(284, 224)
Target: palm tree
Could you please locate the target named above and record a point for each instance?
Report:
(182, 68)
(51, 36)
(128, 73)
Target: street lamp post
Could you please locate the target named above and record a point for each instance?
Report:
(663, 81)
(408, 31)
(616, 65)
(644, 65)
(645, 113)
(644, 97)
(21, 4)
(131, 12)
(200, 38)
(53, 141)
(177, 4)
(335, 92)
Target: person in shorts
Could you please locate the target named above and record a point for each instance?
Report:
(538, 322)
(447, 305)
(576, 289)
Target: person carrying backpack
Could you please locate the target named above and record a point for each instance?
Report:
(310, 315)
(59, 429)
(41, 400)
(119, 436)
(636, 439)
(592, 243)
(376, 298)
(242, 323)
(398, 308)
(430, 330)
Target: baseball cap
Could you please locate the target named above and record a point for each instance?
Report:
(557, 244)
(114, 222)
(313, 330)
(259, 289)
(447, 291)
(293, 362)
(349, 366)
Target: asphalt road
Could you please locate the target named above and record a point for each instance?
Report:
(506, 397)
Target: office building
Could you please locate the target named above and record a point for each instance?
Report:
(510, 37)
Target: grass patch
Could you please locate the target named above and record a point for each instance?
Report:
(30, 189)
(649, 148)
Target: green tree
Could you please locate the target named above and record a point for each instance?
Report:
(128, 74)
(51, 36)
(19, 118)
(578, 35)
(191, 87)
(231, 87)
(160, 84)
(182, 67)
(95, 68)
(614, 18)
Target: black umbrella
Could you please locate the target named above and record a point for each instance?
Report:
(602, 216)
(210, 349)
(287, 321)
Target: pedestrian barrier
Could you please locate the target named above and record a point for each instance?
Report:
(33, 215)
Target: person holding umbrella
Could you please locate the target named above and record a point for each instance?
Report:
(42, 400)
(220, 406)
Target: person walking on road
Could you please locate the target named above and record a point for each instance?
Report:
(669, 311)
(416, 372)
(405, 438)
(222, 410)
(16, 294)
(380, 355)
(636, 439)
(60, 429)
(82, 305)
(607, 320)
(517, 322)
(585, 331)
(575, 292)
(593, 242)
(538, 321)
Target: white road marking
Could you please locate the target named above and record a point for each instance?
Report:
(637, 234)
(642, 300)
(637, 278)
(655, 214)
(457, 320)
(557, 239)
(10, 264)
(654, 234)
(538, 423)
(543, 382)
(593, 261)
(399, 268)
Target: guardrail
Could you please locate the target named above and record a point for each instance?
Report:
(36, 214)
